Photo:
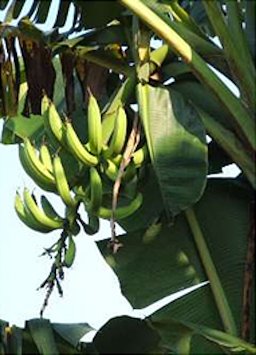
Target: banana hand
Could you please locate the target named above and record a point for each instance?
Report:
(26, 217)
(38, 214)
(34, 167)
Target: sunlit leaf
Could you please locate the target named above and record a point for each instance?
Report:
(177, 145)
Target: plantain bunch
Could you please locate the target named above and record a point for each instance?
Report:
(81, 174)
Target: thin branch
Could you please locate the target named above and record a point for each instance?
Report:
(131, 146)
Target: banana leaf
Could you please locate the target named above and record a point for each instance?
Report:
(176, 141)
(169, 262)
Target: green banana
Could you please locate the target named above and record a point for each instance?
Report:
(70, 252)
(71, 218)
(108, 123)
(74, 228)
(27, 218)
(49, 210)
(110, 169)
(140, 155)
(119, 134)
(130, 172)
(151, 233)
(45, 157)
(94, 126)
(77, 148)
(37, 213)
(130, 188)
(34, 167)
(122, 212)
(62, 183)
(93, 225)
(96, 191)
(55, 124)
(117, 159)
(45, 105)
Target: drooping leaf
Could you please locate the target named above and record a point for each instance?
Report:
(19, 6)
(177, 145)
(62, 13)
(43, 11)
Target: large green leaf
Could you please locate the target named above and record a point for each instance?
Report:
(43, 336)
(170, 262)
(177, 144)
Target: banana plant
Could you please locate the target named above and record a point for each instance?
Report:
(149, 116)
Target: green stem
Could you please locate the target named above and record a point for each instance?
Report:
(216, 286)
(239, 117)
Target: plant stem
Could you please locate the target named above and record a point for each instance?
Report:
(216, 286)
(240, 118)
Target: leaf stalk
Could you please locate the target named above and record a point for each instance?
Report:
(211, 272)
